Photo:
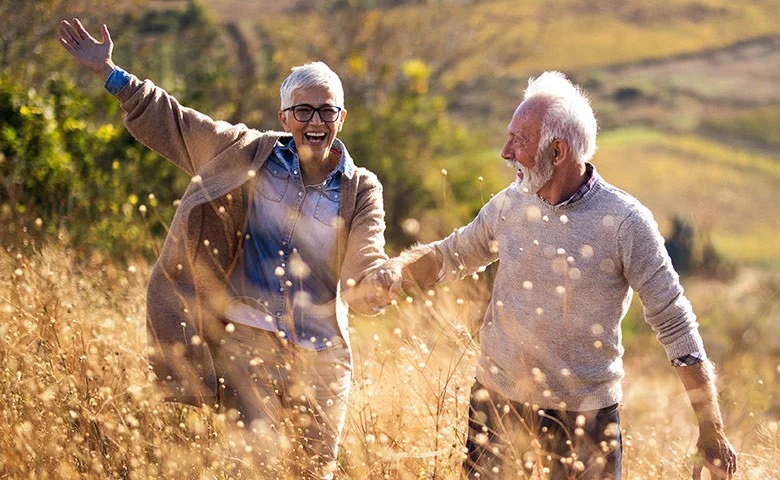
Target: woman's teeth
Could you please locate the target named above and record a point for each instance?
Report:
(315, 137)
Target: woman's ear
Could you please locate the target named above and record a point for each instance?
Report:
(342, 117)
(283, 121)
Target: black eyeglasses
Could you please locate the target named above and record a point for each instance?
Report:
(305, 112)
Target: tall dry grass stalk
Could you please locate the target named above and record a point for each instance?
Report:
(78, 401)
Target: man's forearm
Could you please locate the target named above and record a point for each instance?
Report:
(699, 382)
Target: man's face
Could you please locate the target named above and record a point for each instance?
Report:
(313, 138)
(521, 151)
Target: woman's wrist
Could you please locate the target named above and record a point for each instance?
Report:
(106, 70)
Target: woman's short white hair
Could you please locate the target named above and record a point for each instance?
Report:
(569, 116)
(315, 74)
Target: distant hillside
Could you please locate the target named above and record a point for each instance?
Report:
(671, 65)
(515, 37)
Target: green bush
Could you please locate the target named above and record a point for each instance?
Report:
(86, 179)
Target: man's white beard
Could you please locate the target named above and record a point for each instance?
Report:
(535, 178)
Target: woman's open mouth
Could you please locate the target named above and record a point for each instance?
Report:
(315, 138)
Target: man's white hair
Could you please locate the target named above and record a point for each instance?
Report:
(569, 116)
(315, 74)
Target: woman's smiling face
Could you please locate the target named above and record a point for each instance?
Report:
(313, 138)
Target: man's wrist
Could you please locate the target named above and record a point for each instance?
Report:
(710, 427)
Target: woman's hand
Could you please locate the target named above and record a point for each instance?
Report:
(94, 55)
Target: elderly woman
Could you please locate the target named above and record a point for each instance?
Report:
(247, 304)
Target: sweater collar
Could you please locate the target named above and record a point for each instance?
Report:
(591, 178)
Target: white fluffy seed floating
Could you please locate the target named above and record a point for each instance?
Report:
(564, 219)
(18, 272)
(230, 328)
(528, 285)
(197, 179)
(251, 174)
(444, 171)
(350, 282)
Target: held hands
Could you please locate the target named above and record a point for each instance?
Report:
(388, 281)
(715, 454)
(94, 55)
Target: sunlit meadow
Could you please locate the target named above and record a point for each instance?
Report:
(78, 401)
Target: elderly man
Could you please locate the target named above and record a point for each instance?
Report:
(571, 249)
(247, 304)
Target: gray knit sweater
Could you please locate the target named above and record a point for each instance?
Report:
(551, 334)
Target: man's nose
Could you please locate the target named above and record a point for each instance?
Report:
(506, 152)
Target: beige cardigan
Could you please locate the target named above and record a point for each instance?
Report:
(187, 289)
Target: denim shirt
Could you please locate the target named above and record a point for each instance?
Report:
(285, 280)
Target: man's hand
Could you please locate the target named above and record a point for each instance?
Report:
(94, 55)
(715, 454)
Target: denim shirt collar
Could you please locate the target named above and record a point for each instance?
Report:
(288, 154)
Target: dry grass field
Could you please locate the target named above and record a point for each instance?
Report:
(78, 402)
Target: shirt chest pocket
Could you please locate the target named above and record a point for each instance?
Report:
(327, 209)
(274, 181)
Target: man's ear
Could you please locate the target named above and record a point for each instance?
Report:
(283, 121)
(559, 150)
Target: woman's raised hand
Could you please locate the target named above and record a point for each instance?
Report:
(94, 55)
